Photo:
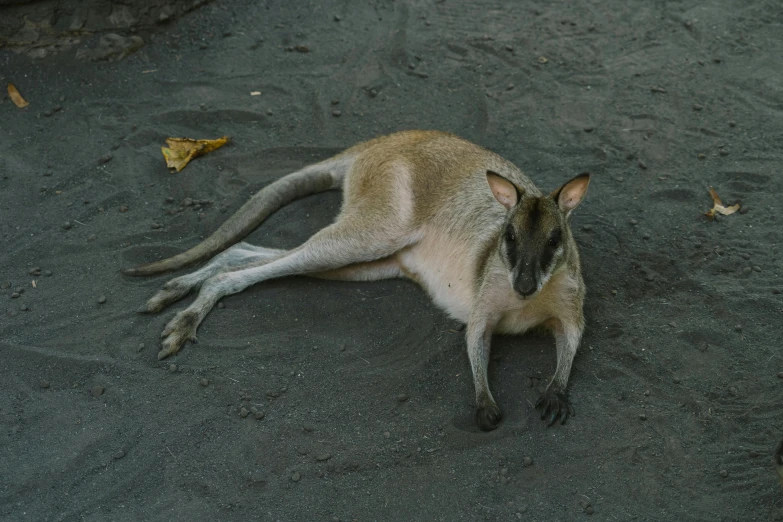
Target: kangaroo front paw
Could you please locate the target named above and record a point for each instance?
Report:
(554, 405)
(179, 330)
(488, 416)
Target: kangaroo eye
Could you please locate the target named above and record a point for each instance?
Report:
(510, 235)
(554, 241)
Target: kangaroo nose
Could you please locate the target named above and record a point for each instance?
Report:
(525, 285)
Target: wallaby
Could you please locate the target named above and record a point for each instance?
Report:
(465, 224)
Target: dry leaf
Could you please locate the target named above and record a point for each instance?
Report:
(181, 150)
(718, 208)
(13, 93)
(542, 59)
(255, 93)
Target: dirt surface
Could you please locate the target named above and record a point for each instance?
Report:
(363, 393)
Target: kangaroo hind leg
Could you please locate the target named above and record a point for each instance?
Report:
(236, 256)
(337, 246)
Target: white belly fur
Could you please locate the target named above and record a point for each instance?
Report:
(442, 266)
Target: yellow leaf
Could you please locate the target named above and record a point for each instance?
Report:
(181, 150)
(13, 93)
(718, 208)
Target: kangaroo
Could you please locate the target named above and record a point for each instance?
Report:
(489, 247)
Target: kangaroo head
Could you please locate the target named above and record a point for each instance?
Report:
(535, 238)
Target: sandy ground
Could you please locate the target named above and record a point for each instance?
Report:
(365, 389)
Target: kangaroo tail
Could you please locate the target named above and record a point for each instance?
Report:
(316, 178)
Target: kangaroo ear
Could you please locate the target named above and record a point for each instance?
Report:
(571, 194)
(504, 191)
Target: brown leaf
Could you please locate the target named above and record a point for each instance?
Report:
(718, 207)
(13, 93)
(181, 150)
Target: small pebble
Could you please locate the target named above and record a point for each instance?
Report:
(15, 295)
(703, 347)
(259, 415)
(156, 226)
(676, 380)
(323, 457)
(587, 228)
(105, 158)
(697, 107)
(634, 222)
(119, 454)
(335, 102)
(723, 152)
(642, 417)
(123, 208)
(756, 268)
(701, 156)
(642, 165)
(5, 285)
(34, 271)
(747, 270)
(97, 391)
(44, 384)
(402, 397)
(92, 237)
(140, 347)
(336, 113)
(221, 305)
(780, 375)
(589, 510)
(169, 199)
(187, 202)
(753, 454)
(645, 236)
(24, 308)
(776, 291)
(646, 393)
(204, 382)
(66, 225)
(614, 292)
(337, 18)
(527, 461)
(243, 412)
(102, 299)
(737, 327)
(296, 476)
(724, 473)
(172, 368)
(732, 123)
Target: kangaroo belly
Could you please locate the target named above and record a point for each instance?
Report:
(442, 266)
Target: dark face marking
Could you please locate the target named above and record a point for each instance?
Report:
(530, 241)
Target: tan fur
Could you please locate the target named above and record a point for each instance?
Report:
(431, 207)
